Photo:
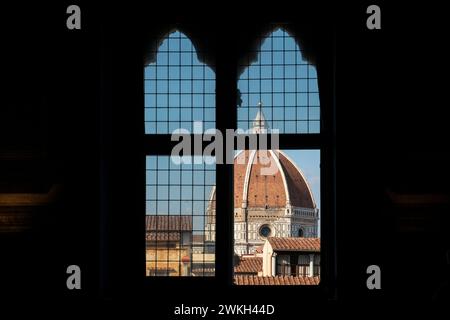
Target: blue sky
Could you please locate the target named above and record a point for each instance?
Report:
(179, 89)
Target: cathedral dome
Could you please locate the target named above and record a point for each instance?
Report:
(272, 198)
(269, 179)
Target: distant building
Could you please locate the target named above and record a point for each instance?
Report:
(168, 245)
(272, 198)
(291, 257)
(283, 261)
(203, 257)
(248, 266)
(172, 249)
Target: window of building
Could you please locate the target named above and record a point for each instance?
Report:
(303, 265)
(317, 265)
(265, 231)
(283, 265)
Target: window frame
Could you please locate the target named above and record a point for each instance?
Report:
(227, 74)
(324, 141)
(163, 140)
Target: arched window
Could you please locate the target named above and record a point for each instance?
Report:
(283, 84)
(179, 91)
(277, 89)
(278, 93)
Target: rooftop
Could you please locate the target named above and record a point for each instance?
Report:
(252, 280)
(168, 223)
(167, 228)
(249, 265)
(295, 244)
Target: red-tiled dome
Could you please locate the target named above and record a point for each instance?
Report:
(267, 179)
(264, 180)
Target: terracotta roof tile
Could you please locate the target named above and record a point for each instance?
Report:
(249, 265)
(299, 193)
(295, 244)
(168, 223)
(265, 189)
(167, 228)
(163, 236)
(252, 280)
(269, 190)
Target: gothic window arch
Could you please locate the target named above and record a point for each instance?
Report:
(282, 85)
(179, 89)
(278, 80)
(179, 97)
(278, 93)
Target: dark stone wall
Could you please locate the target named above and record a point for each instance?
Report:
(71, 116)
